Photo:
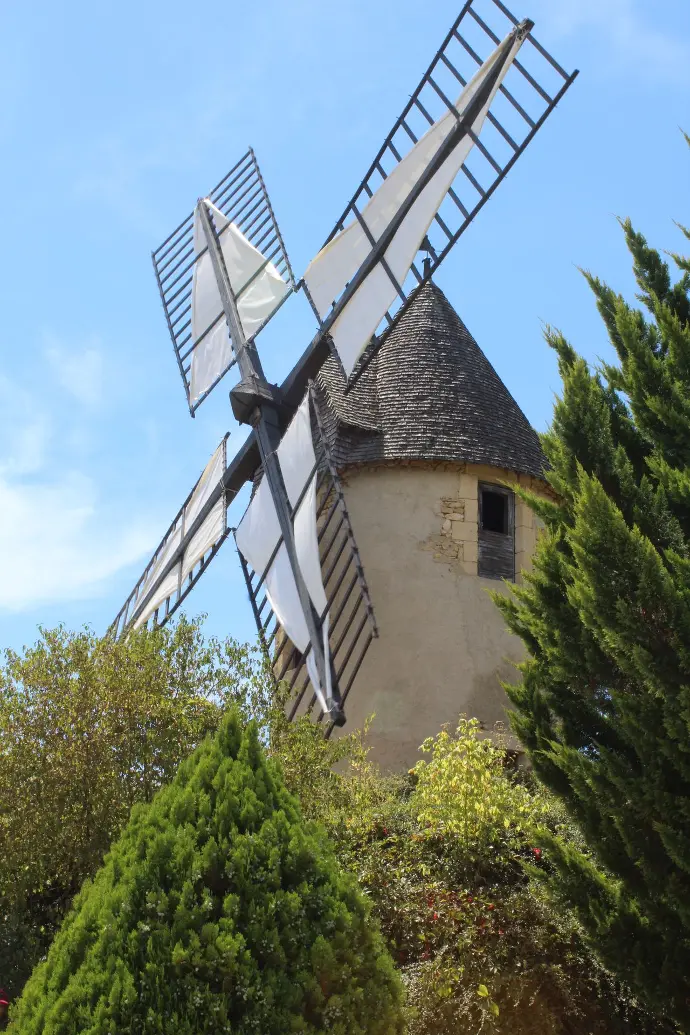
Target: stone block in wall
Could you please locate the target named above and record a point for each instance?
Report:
(472, 510)
(525, 539)
(464, 531)
(523, 562)
(524, 517)
(467, 487)
(487, 474)
(470, 551)
(442, 547)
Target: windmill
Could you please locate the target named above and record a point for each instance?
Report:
(224, 273)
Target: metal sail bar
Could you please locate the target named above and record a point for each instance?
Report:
(195, 536)
(438, 166)
(346, 610)
(259, 270)
(254, 402)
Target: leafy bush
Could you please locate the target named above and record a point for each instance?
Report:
(218, 910)
(448, 858)
(463, 791)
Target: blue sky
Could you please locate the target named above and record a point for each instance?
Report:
(116, 116)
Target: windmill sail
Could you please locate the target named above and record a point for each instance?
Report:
(438, 166)
(337, 264)
(257, 264)
(329, 562)
(259, 540)
(194, 537)
(258, 288)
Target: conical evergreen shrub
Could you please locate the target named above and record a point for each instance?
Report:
(218, 910)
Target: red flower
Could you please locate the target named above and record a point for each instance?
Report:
(470, 899)
(537, 852)
(491, 906)
(435, 916)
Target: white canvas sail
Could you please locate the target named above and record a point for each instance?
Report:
(167, 588)
(338, 262)
(169, 583)
(210, 532)
(259, 533)
(214, 524)
(258, 288)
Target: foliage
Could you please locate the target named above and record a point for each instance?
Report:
(217, 910)
(463, 792)
(89, 727)
(441, 853)
(604, 703)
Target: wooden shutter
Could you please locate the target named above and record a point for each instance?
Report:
(496, 548)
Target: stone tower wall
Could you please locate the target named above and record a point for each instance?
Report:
(443, 647)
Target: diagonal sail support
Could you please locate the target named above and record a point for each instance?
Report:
(463, 127)
(265, 420)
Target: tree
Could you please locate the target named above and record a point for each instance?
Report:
(89, 727)
(604, 702)
(218, 910)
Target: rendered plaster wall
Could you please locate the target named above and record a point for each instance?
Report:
(443, 647)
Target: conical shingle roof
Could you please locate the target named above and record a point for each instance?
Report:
(430, 393)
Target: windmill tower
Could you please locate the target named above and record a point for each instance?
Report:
(425, 443)
(392, 395)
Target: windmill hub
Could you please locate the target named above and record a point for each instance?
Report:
(248, 396)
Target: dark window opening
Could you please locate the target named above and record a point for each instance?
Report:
(494, 511)
(496, 533)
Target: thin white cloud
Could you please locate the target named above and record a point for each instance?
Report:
(79, 370)
(60, 537)
(24, 431)
(55, 545)
(628, 30)
(28, 448)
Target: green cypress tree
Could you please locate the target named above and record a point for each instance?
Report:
(604, 702)
(218, 910)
